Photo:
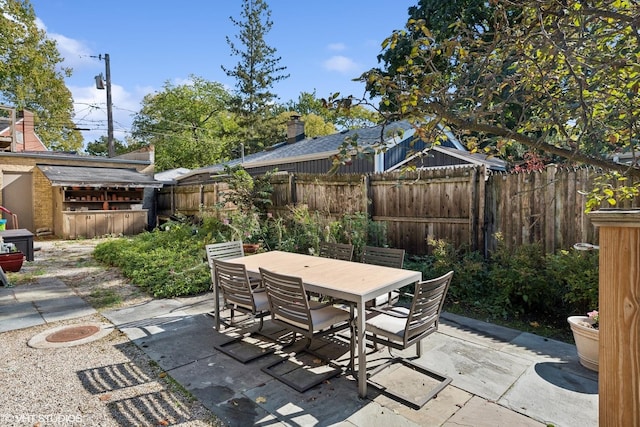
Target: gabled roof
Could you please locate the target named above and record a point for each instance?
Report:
(97, 176)
(398, 137)
(478, 159)
(321, 147)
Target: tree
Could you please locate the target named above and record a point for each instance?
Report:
(29, 78)
(312, 108)
(189, 125)
(100, 147)
(562, 77)
(255, 74)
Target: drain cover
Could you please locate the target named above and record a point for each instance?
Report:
(73, 333)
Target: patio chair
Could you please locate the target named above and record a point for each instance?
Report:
(226, 250)
(386, 257)
(343, 251)
(238, 294)
(400, 327)
(290, 308)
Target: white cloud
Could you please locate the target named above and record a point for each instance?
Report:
(75, 53)
(341, 64)
(337, 47)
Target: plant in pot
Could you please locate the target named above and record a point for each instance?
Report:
(245, 227)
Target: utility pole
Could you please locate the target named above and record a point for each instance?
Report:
(99, 85)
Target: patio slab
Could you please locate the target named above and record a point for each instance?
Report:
(47, 301)
(482, 413)
(556, 396)
(477, 369)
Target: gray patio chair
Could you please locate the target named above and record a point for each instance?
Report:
(238, 295)
(291, 309)
(343, 251)
(386, 257)
(400, 327)
(226, 250)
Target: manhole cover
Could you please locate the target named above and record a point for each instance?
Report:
(73, 333)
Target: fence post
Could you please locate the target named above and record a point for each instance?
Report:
(550, 209)
(292, 189)
(619, 300)
(366, 185)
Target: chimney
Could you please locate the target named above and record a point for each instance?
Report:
(295, 129)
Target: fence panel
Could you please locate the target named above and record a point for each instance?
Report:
(431, 204)
(461, 205)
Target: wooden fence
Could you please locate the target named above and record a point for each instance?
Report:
(465, 206)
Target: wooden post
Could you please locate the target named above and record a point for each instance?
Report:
(619, 294)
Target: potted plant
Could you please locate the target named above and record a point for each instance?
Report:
(245, 227)
(586, 335)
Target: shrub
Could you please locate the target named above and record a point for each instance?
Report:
(577, 273)
(519, 276)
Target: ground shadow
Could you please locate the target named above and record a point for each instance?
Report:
(556, 373)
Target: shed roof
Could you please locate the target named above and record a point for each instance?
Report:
(97, 177)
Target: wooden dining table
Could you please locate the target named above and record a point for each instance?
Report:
(354, 282)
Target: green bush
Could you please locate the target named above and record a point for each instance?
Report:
(577, 273)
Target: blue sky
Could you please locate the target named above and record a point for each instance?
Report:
(323, 44)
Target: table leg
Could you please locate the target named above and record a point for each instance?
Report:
(362, 350)
(216, 299)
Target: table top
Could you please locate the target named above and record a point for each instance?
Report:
(352, 281)
(20, 232)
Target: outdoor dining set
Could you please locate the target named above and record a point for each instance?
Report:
(327, 297)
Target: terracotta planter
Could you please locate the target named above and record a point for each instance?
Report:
(250, 248)
(12, 261)
(587, 341)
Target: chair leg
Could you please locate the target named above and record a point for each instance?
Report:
(419, 348)
(261, 323)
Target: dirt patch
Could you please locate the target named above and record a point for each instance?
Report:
(71, 261)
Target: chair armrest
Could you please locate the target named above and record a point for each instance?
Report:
(390, 312)
(318, 305)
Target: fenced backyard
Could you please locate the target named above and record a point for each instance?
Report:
(464, 206)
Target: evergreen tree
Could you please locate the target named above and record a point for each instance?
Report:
(29, 78)
(255, 74)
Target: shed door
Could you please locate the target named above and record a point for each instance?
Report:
(17, 196)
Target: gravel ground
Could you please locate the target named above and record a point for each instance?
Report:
(108, 382)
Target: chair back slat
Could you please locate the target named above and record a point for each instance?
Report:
(288, 300)
(225, 250)
(428, 300)
(233, 280)
(342, 251)
(386, 257)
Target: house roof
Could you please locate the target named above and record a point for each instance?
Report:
(97, 177)
(321, 147)
(480, 159)
(397, 135)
